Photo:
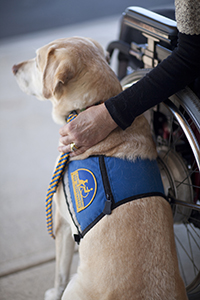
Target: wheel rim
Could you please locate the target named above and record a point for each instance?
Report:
(173, 172)
(180, 175)
(178, 162)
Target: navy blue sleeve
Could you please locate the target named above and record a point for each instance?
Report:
(174, 73)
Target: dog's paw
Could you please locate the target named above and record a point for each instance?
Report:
(53, 294)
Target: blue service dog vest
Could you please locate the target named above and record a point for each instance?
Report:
(99, 184)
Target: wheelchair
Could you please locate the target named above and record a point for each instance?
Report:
(146, 38)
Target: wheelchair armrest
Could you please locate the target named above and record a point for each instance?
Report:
(120, 45)
(150, 23)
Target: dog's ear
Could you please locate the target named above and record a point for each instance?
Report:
(64, 73)
(58, 71)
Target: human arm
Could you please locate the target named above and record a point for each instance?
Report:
(171, 75)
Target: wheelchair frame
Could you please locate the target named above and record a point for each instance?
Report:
(146, 38)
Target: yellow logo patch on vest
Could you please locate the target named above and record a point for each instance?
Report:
(84, 188)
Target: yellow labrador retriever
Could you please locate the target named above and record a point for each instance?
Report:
(130, 252)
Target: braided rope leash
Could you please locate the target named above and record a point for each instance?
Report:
(57, 175)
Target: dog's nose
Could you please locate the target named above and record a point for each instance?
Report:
(15, 69)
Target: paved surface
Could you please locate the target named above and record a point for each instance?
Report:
(29, 140)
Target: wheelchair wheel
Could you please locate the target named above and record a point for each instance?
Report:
(175, 125)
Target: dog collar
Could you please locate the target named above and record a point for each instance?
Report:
(80, 110)
(100, 102)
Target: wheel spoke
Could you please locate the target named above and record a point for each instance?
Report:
(188, 176)
(184, 183)
(191, 218)
(167, 153)
(178, 161)
(175, 142)
(170, 130)
(198, 236)
(185, 250)
(181, 266)
(192, 256)
(197, 221)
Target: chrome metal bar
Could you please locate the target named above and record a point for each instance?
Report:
(186, 128)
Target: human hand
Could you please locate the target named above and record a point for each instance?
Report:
(86, 130)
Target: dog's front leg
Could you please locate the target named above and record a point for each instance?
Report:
(64, 254)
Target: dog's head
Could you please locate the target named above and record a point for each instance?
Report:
(73, 73)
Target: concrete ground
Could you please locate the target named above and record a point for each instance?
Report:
(29, 140)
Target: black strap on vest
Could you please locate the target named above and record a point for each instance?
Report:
(110, 203)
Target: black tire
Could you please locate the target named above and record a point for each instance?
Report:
(175, 126)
